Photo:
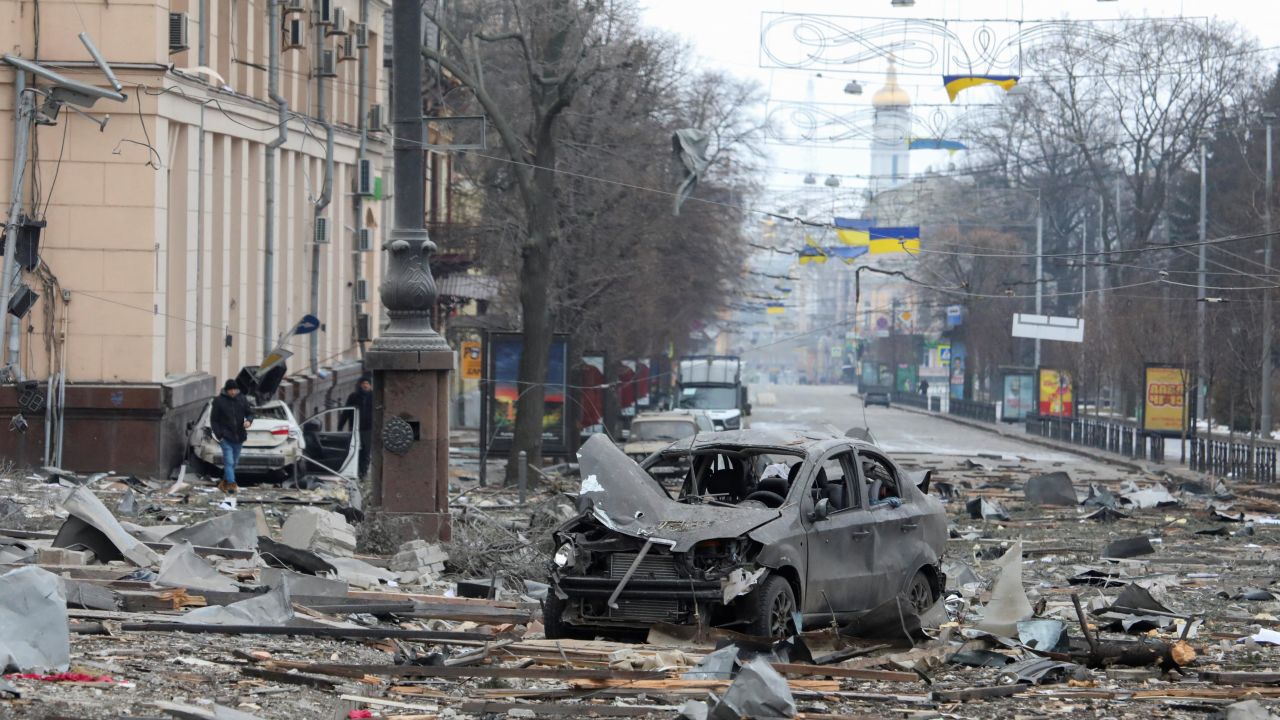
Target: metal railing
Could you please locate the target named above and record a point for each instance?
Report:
(973, 410)
(1110, 435)
(1242, 460)
(915, 400)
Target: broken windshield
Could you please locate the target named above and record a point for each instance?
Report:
(709, 398)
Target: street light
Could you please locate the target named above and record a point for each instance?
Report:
(853, 88)
(832, 181)
(810, 179)
(1269, 118)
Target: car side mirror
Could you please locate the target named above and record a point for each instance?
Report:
(821, 511)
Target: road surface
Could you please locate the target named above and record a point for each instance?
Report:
(899, 431)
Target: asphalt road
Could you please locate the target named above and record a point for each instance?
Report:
(836, 408)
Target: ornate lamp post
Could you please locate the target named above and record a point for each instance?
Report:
(410, 360)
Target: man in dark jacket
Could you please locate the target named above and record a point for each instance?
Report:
(362, 401)
(229, 420)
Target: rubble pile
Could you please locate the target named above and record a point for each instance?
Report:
(1103, 593)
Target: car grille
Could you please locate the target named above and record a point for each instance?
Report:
(653, 567)
(647, 610)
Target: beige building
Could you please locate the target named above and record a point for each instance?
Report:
(154, 251)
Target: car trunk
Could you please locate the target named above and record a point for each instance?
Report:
(267, 434)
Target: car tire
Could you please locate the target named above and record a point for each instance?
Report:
(553, 625)
(768, 608)
(920, 592)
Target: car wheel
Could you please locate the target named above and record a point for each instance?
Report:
(920, 592)
(553, 624)
(769, 608)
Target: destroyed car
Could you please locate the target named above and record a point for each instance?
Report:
(765, 526)
(277, 445)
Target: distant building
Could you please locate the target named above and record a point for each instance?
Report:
(891, 130)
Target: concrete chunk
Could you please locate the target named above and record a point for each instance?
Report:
(63, 556)
(319, 531)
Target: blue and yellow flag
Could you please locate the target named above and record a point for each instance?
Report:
(774, 308)
(887, 240)
(853, 232)
(955, 83)
(848, 253)
(950, 146)
(811, 252)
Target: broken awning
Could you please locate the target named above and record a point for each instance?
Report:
(626, 499)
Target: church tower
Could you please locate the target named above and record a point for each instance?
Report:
(890, 158)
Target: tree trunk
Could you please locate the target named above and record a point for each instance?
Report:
(535, 313)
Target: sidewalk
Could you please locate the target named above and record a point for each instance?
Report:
(1016, 432)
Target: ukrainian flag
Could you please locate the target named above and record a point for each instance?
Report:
(853, 232)
(848, 253)
(774, 308)
(935, 144)
(811, 252)
(955, 83)
(887, 240)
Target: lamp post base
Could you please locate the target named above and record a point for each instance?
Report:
(410, 454)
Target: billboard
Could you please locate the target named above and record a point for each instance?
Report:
(1164, 409)
(956, 370)
(590, 380)
(1056, 397)
(503, 390)
(1019, 396)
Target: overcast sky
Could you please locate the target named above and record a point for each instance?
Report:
(726, 34)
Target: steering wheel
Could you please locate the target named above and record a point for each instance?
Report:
(770, 499)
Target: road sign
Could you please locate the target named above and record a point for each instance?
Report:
(1048, 327)
(471, 366)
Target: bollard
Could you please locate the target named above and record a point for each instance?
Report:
(523, 478)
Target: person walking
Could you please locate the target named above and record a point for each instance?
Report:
(362, 401)
(229, 420)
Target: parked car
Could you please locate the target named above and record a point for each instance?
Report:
(876, 396)
(651, 432)
(277, 445)
(764, 525)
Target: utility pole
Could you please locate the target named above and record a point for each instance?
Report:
(1269, 119)
(410, 360)
(1039, 270)
(1201, 305)
(893, 345)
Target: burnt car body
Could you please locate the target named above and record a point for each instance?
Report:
(764, 526)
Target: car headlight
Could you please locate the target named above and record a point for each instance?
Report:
(732, 423)
(564, 556)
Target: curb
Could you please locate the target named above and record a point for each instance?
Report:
(1092, 454)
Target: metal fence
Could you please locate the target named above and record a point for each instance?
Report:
(973, 409)
(915, 400)
(1243, 460)
(1110, 435)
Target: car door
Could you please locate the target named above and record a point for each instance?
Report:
(330, 449)
(842, 546)
(896, 526)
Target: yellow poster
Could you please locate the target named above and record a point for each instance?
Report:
(471, 366)
(1164, 409)
(1055, 393)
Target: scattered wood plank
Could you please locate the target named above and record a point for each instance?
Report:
(286, 678)
(978, 693)
(682, 684)
(843, 672)
(302, 631)
(1221, 677)
(478, 671)
(486, 707)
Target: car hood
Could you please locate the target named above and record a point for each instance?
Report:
(645, 447)
(626, 499)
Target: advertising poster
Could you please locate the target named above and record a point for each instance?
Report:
(627, 387)
(908, 378)
(504, 359)
(1019, 397)
(957, 371)
(590, 378)
(1164, 408)
(1055, 397)
(470, 356)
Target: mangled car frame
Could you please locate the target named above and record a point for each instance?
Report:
(764, 526)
